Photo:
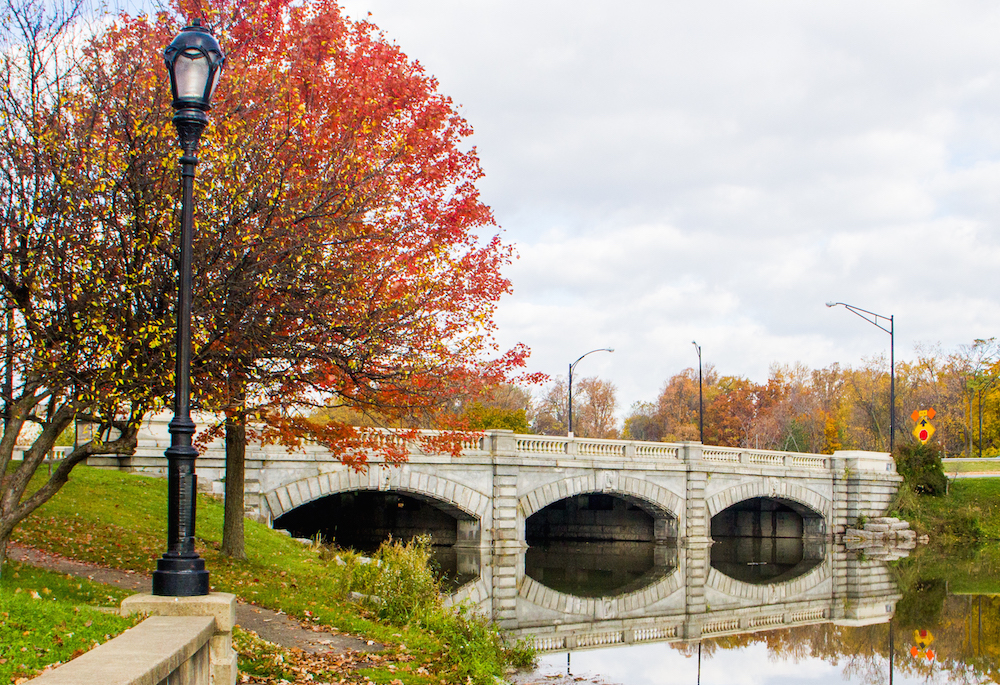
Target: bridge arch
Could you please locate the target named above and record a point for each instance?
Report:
(464, 502)
(598, 607)
(653, 496)
(771, 488)
(771, 592)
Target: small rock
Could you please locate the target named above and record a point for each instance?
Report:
(877, 527)
(359, 597)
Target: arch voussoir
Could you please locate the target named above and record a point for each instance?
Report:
(283, 498)
(772, 488)
(655, 495)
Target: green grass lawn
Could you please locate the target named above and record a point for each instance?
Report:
(971, 466)
(48, 618)
(969, 512)
(119, 520)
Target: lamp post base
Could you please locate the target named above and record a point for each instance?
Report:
(180, 577)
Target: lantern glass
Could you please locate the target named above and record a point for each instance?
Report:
(191, 69)
(215, 82)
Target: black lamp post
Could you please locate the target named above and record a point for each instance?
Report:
(872, 318)
(194, 60)
(571, 367)
(701, 408)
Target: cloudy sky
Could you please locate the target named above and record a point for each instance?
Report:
(717, 171)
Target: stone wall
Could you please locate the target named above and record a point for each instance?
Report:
(501, 479)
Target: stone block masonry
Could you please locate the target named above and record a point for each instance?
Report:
(500, 481)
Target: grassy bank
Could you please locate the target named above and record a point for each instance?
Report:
(969, 512)
(971, 466)
(118, 520)
(47, 618)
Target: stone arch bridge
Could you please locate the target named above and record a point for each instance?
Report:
(501, 479)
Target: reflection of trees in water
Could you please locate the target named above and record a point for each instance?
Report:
(965, 653)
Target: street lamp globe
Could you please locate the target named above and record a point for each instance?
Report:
(194, 61)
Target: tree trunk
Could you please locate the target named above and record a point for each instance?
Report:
(3, 552)
(232, 524)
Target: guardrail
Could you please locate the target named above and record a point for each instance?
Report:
(663, 451)
(504, 442)
(673, 629)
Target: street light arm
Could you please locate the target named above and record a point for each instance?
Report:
(600, 349)
(863, 312)
(570, 383)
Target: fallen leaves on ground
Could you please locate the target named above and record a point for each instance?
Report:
(263, 663)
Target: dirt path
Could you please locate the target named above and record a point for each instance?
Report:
(270, 625)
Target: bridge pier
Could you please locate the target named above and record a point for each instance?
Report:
(468, 533)
(696, 525)
(508, 526)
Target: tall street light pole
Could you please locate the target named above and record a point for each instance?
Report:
(194, 60)
(571, 367)
(701, 403)
(873, 318)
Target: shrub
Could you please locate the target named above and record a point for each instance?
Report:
(399, 586)
(921, 468)
(397, 582)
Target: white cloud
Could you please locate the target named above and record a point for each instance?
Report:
(717, 171)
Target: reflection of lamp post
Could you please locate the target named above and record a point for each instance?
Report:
(194, 60)
(701, 404)
(699, 662)
(865, 314)
(892, 652)
(571, 367)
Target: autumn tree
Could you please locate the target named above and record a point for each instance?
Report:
(339, 262)
(594, 405)
(84, 281)
(502, 406)
(978, 365)
(674, 414)
(867, 388)
(550, 412)
(338, 259)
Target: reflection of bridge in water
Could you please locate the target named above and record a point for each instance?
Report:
(685, 598)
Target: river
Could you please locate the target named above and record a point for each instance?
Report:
(773, 601)
(742, 612)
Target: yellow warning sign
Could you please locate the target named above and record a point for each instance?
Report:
(923, 430)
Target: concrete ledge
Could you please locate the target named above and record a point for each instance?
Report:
(219, 606)
(144, 655)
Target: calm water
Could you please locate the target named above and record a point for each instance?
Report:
(744, 612)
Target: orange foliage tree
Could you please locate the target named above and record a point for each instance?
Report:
(84, 281)
(338, 258)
